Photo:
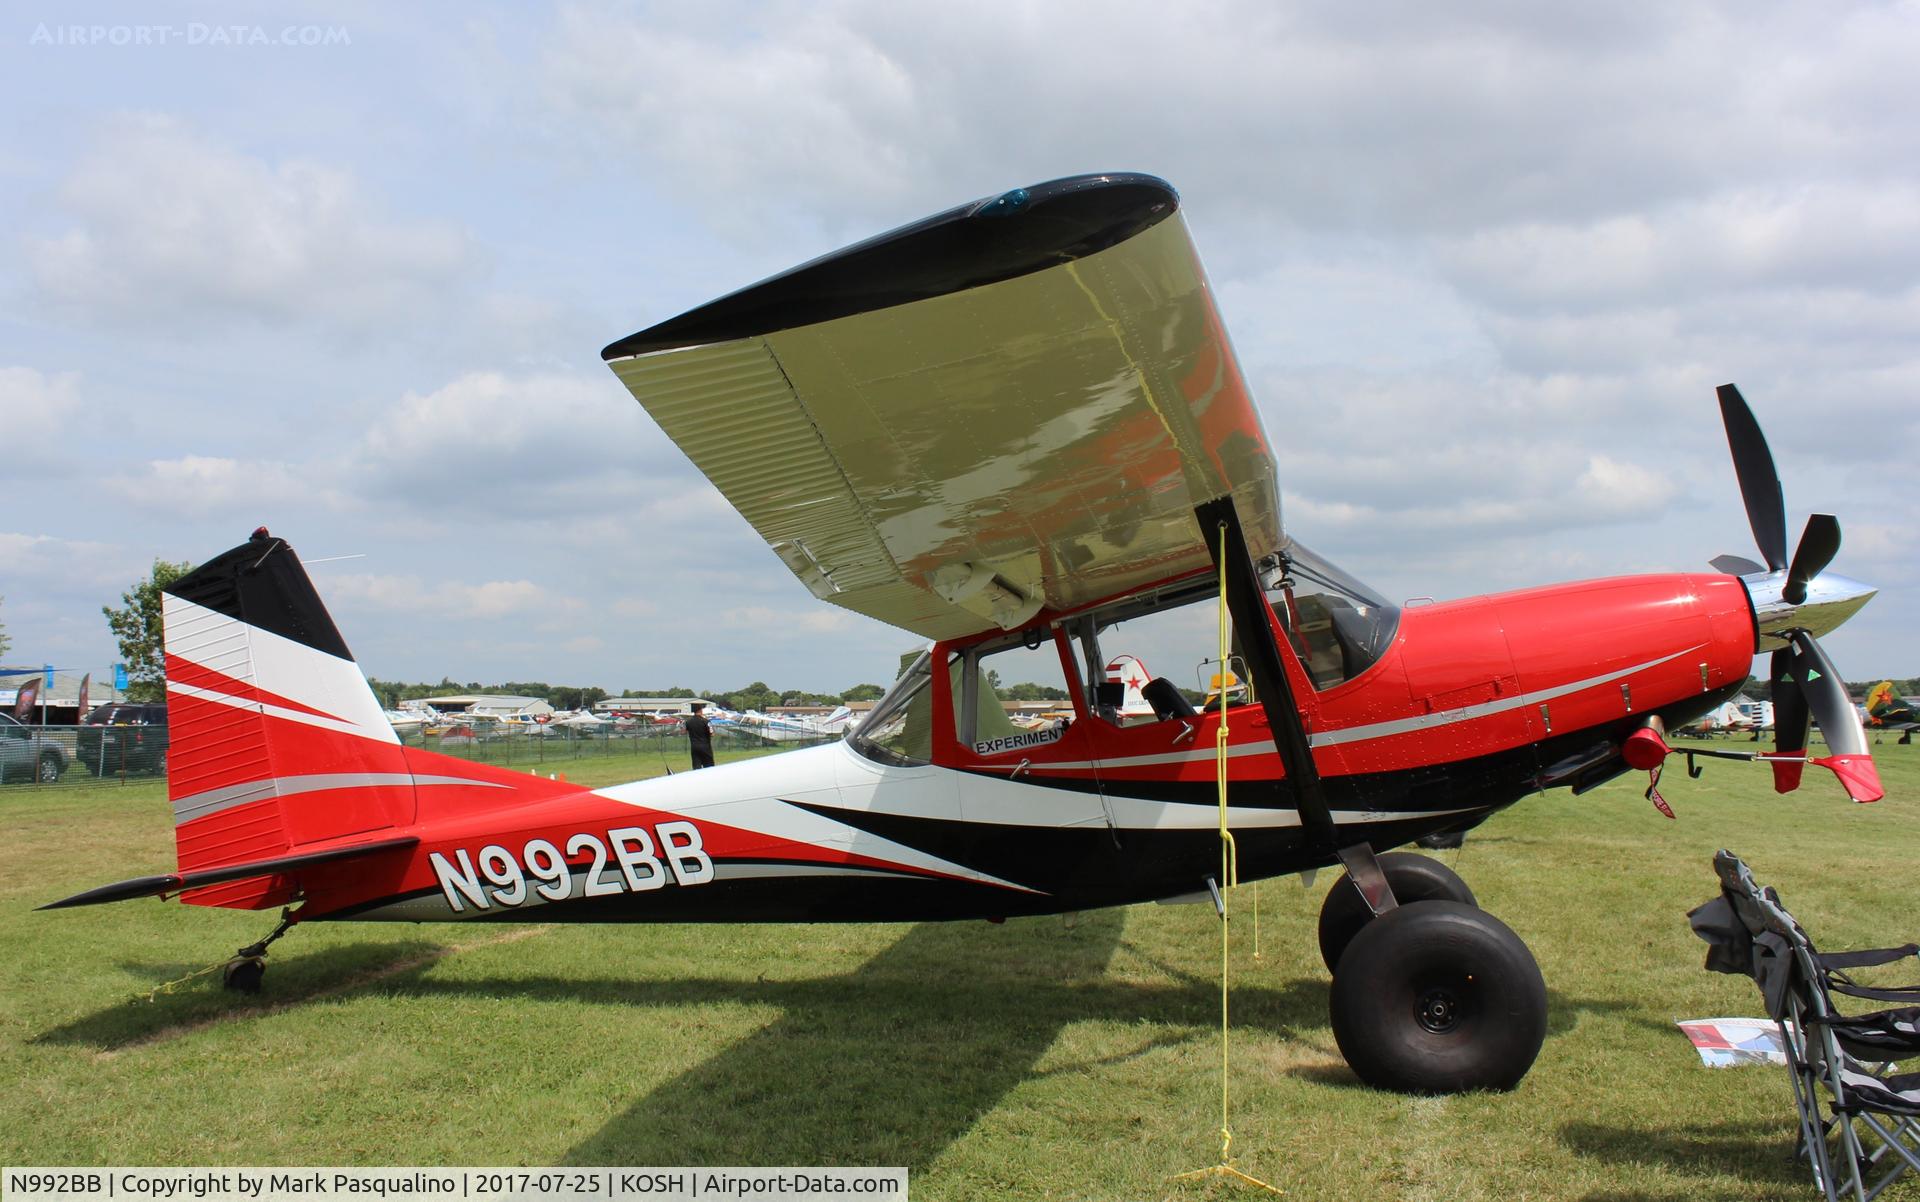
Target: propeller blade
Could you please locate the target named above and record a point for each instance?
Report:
(1735, 565)
(1790, 719)
(1826, 696)
(1759, 482)
(1818, 545)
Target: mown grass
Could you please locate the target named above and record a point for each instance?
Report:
(1070, 1058)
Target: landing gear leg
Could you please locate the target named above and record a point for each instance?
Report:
(1405, 878)
(242, 973)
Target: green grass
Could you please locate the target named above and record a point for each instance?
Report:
(1071, 1058)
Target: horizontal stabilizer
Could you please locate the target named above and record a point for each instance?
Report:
(177, 882)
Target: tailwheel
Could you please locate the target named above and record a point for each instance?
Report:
(1439, 997)
(242, 973)
(1414, 879)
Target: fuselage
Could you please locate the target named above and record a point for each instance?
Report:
(1472, 705)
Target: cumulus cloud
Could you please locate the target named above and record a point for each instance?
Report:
(1433, 118)
(552, 441)
(491, 600)
(35, 409)
(205, 484)
(1858, 236)
(43, 563)
(168, 227)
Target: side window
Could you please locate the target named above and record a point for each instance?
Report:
(899, 730)
(1012, 693)
(1153, 659)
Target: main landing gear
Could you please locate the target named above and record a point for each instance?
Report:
(1431, 995)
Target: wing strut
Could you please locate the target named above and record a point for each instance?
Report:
(1254, 623)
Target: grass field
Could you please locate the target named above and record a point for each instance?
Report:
(1069, 1058)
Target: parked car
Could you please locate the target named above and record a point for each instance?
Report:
(26, 753)
(124, 736)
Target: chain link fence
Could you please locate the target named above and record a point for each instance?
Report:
(52, 756)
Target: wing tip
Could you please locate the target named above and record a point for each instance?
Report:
(981, 242)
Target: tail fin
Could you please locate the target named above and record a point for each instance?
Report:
(1879, 697)
(276, 741)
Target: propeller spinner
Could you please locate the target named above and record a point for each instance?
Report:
(1793, 601)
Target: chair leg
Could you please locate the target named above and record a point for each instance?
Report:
(1903, 1157)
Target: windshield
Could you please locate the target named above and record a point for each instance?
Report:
(900, 728)
(1338, 626)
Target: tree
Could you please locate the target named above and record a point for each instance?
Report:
(5, 642)
(137, 629)
(863, 692)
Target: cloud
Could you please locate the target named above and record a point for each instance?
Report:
(169, 228)
(45, 564)
(1434, 118)
(490, 601)
(774, 623)
(1856, 236)
(551, 441)
(197, 485)
(35, 408)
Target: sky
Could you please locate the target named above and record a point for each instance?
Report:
(345, 270)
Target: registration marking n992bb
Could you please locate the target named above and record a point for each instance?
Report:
(642, 861)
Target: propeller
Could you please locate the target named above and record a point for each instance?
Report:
(1759, 483)
(1804, 684)
(1819, 543)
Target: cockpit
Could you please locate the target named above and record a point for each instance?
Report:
(1011, 691)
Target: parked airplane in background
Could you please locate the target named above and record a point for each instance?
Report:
(1729, 718)
(1887, 712)
(1007, 429)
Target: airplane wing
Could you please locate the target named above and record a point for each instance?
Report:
(1007, 409)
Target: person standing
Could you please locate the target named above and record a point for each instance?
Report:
(700, 737)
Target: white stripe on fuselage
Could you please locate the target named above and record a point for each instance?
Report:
(756, 795)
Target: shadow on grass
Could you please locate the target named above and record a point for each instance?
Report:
(893, 1061)
(1756, 1154)
(199, 1001)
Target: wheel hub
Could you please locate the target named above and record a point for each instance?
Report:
(1438, 1010)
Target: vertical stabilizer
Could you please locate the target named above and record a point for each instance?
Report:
(276, 742)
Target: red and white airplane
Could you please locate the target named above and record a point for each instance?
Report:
(1006, 429)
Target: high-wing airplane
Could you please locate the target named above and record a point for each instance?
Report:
(1888, 712)
(1007, 429)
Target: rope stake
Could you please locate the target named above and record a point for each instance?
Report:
(1229, 877)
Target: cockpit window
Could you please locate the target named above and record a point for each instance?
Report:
(1338, 626)
(899, 730)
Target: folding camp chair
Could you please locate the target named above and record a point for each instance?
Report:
(1828, 1053)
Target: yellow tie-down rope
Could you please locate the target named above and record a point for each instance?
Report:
(1229, 877)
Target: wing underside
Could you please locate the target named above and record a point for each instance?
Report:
(1007, 410)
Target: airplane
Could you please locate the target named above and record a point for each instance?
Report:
(1887, 712)
(1006, 429)
(1729, 718)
